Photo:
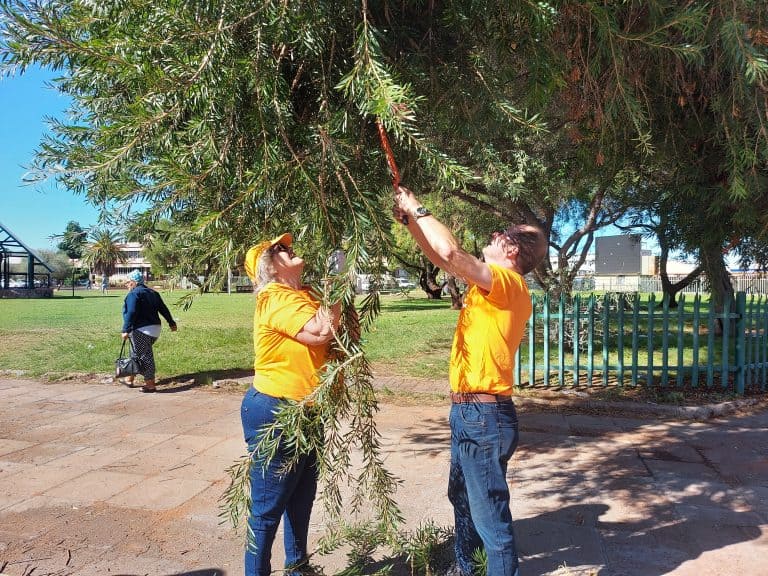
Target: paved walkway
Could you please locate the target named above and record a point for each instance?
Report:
(101, 479)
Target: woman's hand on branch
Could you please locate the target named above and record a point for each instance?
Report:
(321, 327)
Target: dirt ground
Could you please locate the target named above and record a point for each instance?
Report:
(47, 532)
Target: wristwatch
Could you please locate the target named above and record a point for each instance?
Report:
(421, 211)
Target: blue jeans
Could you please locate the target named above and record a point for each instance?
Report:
(274, 494)
(483, 438)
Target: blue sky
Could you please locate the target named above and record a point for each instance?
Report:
(33, 213)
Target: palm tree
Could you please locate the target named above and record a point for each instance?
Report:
(103, 254)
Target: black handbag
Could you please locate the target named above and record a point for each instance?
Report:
(127, 365)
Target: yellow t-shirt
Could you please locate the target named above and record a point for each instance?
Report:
(490, 328)
(283, 366)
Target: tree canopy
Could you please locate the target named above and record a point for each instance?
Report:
(73, 240)
(103, 253)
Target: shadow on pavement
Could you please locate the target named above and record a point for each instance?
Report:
(645, 547)
(646, 495)
(184, 382)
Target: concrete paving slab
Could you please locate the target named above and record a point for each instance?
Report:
(64, 425)
(547, 543)
(36, 480)
(39, 454)
(94, 486)
(159, 493)
(545, 422)
(682, 470)
(20, 420)
(10, 468)
(671, 452)
(224, 426)
(162, 456)
(134, 441)
(7, 445)
(208, 464)
(26, 504)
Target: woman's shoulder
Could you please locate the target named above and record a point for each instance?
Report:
(146, 289)
(276, 292)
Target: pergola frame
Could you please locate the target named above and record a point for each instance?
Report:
(12, 247)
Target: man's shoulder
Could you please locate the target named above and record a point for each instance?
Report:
(502, 270)
(507, 276)
(507, 286)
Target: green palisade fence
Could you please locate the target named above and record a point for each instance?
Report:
(620, 339)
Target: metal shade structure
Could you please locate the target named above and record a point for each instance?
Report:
(37, 272)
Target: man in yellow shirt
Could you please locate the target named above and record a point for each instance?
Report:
(484, 429)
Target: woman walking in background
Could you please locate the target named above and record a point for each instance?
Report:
(291, 332)
(142, 308)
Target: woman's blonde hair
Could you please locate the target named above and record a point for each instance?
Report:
(265, 271)
(258, 261)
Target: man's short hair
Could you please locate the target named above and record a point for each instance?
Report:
(532, 245)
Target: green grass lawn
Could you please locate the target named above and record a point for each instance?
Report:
(411, 337)
(69, 334)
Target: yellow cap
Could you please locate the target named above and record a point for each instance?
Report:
(255, 252)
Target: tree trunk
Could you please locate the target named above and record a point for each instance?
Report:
(669, 288)
(457, 300)
(719, 280)
(428, 280)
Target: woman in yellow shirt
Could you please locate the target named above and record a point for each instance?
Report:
(291, 332)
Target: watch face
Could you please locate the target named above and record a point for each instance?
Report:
(421, 211)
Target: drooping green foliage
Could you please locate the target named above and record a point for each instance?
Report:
(238, 121)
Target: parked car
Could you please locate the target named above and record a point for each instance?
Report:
(405, 284)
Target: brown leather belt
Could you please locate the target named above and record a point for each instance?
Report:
(467, 397)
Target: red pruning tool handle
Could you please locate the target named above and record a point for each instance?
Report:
(388, 153)
(394, 172)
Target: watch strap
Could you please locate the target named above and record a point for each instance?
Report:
(421, 211)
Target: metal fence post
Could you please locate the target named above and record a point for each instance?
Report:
(741, 325)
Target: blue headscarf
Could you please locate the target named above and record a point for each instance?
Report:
(136, 276)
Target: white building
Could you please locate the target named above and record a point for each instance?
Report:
(134, 253)
(135, 260)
